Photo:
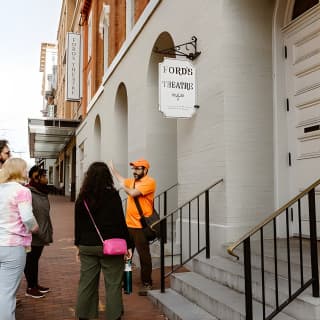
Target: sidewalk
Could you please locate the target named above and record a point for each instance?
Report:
(60, 271)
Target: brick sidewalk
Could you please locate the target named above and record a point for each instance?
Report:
(59, 270)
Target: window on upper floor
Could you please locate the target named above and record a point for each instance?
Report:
(301, 6)
(89, 36)
(104, 33)
(105, 48)
(130, 7)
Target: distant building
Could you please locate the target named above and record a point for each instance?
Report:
(48, 67)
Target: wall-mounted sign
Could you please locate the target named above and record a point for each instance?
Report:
(73, 54)
(177, 88)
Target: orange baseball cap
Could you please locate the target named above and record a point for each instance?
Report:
(140, 163)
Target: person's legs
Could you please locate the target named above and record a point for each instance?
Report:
(12, 262)
(142, 246)
(31, 269)
(112, 268)
(88, 291)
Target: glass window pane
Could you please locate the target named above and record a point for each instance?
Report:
(301, 6)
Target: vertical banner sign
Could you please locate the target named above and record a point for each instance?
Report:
(177, 88)
(73, 52)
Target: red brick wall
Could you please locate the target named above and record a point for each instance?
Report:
(139, 7)
(117, 28)
(120, 23)
(117, 35)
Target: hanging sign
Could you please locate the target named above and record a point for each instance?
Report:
(177, 88)
(73, 50)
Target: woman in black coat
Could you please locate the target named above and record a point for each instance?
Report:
(105, 206)
(38, 184)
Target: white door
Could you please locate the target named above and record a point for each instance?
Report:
(302, 43)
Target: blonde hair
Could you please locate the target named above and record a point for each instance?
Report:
(13, 170)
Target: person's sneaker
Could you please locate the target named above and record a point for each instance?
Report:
(34, 293)
(144, 290)
(43, 289)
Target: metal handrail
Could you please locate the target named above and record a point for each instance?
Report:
(245, 240)
(163, 233)
(276, 213)
(183, 205)
(160, 193)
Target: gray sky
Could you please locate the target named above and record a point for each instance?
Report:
(24, 25)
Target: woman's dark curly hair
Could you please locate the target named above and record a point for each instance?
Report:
(97, 180)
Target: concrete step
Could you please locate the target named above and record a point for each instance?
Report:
(177, 307)
(230, 273)
(217, 299)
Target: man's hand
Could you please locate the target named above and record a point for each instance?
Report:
(115, 173)
(130, 191)
(110, 165)
(128, 255)
(35, 229)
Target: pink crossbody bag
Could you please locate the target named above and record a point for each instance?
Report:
(113, 246)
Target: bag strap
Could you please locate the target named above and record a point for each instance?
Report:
(136, 201)
(88, 210)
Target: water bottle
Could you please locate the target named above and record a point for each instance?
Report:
(127, 277)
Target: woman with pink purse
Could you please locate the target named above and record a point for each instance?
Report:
(100, 222)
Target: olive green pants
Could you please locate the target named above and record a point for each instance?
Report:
(92, 263)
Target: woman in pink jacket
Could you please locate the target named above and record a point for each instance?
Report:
(17, 222)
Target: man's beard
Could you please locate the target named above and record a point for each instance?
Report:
(2, 161)
(138, 176)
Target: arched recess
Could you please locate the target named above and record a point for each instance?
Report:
(121, 129)
(161, 132)
(97, 139)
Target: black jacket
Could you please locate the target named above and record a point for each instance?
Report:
(41, 211)
(109, 218)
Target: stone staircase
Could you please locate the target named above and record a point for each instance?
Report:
(214, 289)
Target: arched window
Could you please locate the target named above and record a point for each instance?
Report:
(301, 6)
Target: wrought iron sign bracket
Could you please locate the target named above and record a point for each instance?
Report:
(182, 50)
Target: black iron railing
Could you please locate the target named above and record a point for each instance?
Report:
(187, 230)
(300, 206)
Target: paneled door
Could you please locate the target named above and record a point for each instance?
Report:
(302, 65)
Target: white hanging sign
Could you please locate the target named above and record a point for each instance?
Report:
(177, 88)
(73, 53)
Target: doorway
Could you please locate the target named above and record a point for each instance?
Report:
(302, 80)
